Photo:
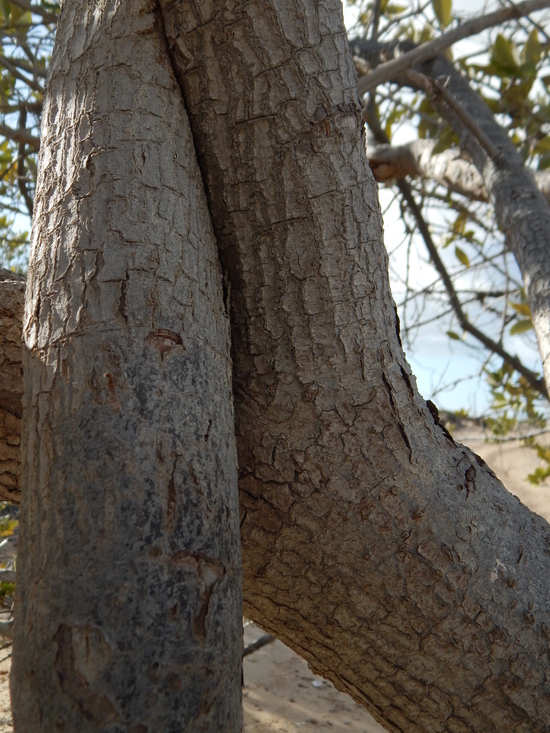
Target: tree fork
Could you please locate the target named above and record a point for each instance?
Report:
(129, 612)
(390, 557)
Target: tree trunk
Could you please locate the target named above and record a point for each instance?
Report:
(521, 210)
(12, 294)
(390, 557)
(129, 613)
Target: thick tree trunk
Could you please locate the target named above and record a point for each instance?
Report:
(522, 212)
(129, 614)
(12, 295)
(388, 556)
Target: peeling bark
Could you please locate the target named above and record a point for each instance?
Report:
(388, 556)
(129, 613)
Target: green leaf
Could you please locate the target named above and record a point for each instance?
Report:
(503, 55)
(392, 9)
(532, 51)
(521, 327)
(538, 476)
(462, 257)
(453, 335)
(459, 223)
(443, 11)
(521, 308)
(542, 146)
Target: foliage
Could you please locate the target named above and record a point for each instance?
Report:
(509, 67)
(26, 42)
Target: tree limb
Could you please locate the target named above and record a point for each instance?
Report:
(46, 16)
(20, 136)
(406, 192)
(522, 212)
(438, 92)
(389, 70)
(10, 66)
(21, 170)
(417, 160)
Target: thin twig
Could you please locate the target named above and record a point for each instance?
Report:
(9, 66)
(21, 171)
(389, 70)
(258, 644)
(19, 136)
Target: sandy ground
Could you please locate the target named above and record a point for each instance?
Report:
(281, 694)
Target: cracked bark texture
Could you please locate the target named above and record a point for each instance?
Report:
(129, 611)
(388, 556)
(12, 296)
(522, 212)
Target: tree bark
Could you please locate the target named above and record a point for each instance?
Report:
(129, 613)
(522, 212)
(390, 557)
(12, 296)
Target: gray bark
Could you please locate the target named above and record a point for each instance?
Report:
(522, 212)
(387, 555)
(129, 613)
(417, 160)
(12, 294)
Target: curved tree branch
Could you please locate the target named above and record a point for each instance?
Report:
(389, 70)
(417, 160)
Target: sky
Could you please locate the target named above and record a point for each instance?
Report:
(435, 359)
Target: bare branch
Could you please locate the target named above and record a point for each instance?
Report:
(21, 171)
(9, 66)
(20, 136)
(533, 379)
(436, 90)
(375, 19)
(258, 644)
(417, 160)
(34, 108)
(389, 70)
(46, 16)
(28, 67)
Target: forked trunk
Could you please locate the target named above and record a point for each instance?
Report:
(390, 557)
(129, 614)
